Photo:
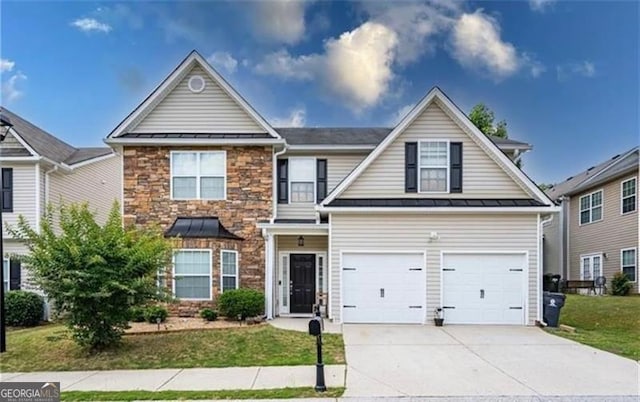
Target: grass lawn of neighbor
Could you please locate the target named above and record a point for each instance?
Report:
(282, 393)
(610, 323)
(51, 348)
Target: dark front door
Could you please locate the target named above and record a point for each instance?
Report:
(303, 282)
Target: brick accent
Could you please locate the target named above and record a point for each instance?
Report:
(147, 201)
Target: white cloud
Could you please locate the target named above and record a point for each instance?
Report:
(6, 65)
(535, 67)
(91, 25)
(400, 114)
(540, 5)
(10, 88)
(283, 65)
(477, 43)
(584, 68)
(224, 61)
(297, 118)
(280, 21)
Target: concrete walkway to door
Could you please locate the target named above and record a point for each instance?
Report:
(458, 361)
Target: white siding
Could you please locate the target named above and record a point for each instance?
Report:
(482, 176)
(12, 143)
(98, 183)
(338, 167)
(410, 232)
(24, 195)
(211, 110)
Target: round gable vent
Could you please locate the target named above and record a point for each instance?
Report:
(196, 84)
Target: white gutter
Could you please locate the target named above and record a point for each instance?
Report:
(274, 182)
(549, 209)
(194, 141)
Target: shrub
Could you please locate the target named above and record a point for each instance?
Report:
(152, 313)
(136, 314)
(620, 284)
(208, 314)
(24, 309)
(241, 302)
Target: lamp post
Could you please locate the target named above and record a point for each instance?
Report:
(5, 126)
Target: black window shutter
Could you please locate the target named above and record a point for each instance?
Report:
(7, 190)
(411, 167)
(14, 274)
(321, 179)
(455, 167)
(283, 181)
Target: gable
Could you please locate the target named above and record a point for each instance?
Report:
(482, 176)
(209, 111)
(11, 147)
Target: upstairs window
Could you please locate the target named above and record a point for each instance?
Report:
(591, 207)
(7, 190)
(302, 179)
(198, 175)
(434, 166)
(628, 189)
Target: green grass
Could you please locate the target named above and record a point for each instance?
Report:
(610, 323)
(282, 393)
(51, 348)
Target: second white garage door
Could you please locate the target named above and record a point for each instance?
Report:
(383, 288)
(484, 288)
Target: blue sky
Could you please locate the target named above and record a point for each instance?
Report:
(564, 74)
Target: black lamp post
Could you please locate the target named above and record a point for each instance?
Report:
(5, 126)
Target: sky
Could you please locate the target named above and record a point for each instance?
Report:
(563, 74)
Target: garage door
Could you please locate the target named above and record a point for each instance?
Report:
(383, 288)
(484, 288)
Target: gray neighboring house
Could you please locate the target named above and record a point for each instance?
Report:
(38, 169)
(596, 232)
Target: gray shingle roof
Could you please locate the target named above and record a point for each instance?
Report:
(49, 146)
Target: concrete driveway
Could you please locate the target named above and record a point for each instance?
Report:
(397, 360)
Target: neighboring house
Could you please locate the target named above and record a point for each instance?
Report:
(596, 233)
(374, 224)
(39, 169)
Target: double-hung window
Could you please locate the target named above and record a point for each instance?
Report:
(198, 175)
(590, 266)
(434, 166)
(629, 263)
(628, 189)
(591, 207)
(192, 274)
(229, 269)
(302, 179)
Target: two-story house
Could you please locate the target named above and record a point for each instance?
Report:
(596, 233)
(373, 224)
(39, 169)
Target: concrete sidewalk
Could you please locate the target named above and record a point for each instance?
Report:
(193, 379)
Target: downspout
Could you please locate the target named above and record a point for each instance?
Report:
(540, 262)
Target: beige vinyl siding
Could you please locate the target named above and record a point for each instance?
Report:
(24, 195)
(97, 183)
(552, 247)
(608, 236)
(311, 243)
(211, 111)
(482, 176)
(338, 167)
(12, 142)
(410, 232)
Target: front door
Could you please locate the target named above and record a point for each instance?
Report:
(303, 282)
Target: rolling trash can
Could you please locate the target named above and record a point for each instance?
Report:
(551, 305)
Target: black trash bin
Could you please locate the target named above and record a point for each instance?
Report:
(551, 305)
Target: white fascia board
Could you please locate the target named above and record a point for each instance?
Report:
(435, 210)
(19, 158)
(329, 147)
(22, 142)
(194, 141)
(92, 160)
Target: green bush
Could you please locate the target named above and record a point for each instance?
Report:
(241, 303)
(208, 314)
(620, 284)
(152, 313)
(136, 314)
(24, 309)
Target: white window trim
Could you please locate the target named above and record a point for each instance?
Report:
(636, 262)
(315, 179)
(590, 256)
(580, 210)
(222, 275)
(7, 278)
(448, 167)
(622, 197)
(173, 273)
(197, 175)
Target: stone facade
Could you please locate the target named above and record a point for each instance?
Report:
(147, 201)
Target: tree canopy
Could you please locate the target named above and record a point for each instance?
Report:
(483, 118)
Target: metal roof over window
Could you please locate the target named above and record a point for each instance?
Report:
(199, 227)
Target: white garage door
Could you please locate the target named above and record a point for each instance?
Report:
(484, 288)
(383, 288)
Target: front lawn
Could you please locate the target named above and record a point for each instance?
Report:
(610, 323)
(50, 348)
(282, 393)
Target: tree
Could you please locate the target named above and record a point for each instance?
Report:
(93, 274)
(544, 186)
(483, 118)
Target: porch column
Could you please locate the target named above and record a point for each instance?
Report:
(269, 272)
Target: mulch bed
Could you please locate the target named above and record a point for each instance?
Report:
(179, 324)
